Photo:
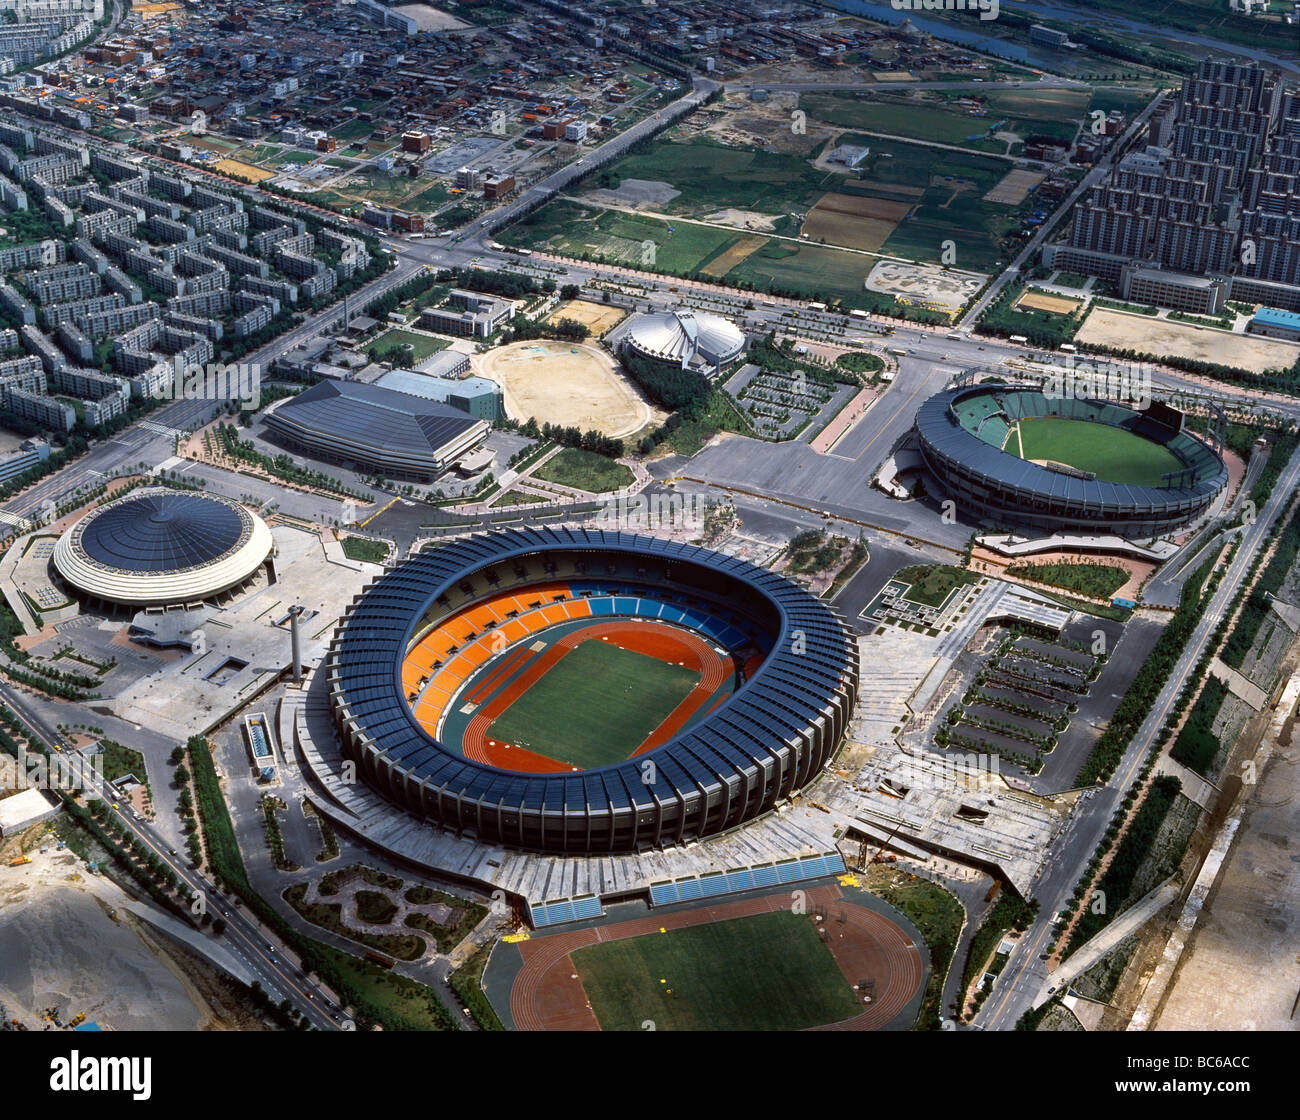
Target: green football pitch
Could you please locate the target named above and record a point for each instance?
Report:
(1112, 454)
(595, 706)
(768, 972)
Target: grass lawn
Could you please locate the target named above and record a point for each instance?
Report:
(1098, 580)
(374, 908)
(120, 761)
(768, 972)
(596, 706)
(422, 345)
(1112, 454)
(358, 548)
(585, 470)
(931, 583)
(896, 117)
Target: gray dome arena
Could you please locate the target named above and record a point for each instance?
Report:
(157, 546)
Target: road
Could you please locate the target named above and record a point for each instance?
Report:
(1085, 184)
(1025, 973)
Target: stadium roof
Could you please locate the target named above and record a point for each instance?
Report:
(680, 336)
(795, 688)
(377, 427)
(162, 532)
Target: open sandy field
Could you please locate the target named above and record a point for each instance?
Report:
(431, 19)
(59, 948)
(1042, 301)
(1148, 335)
(240, 170)
(562, 383)
(596, 317)
(853, 221)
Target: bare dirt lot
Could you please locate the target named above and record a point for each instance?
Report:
(430, 18)
(1041, 301)
(241, 170)
(59, 948)
(926, 284)
(1149, 335)
(562, 383)
(596, 317)
(1239, 973)
(1014, 188)
(853, 221)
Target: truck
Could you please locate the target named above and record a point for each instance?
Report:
(18, 861)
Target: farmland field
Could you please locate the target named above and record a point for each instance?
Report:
(711, 177)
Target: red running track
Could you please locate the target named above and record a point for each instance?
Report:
(547, 994)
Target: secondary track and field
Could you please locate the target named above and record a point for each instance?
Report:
(548, 992)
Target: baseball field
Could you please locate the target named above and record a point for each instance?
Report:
(1112, 454)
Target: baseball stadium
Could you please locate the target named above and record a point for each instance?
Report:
(1016, 456)
(578, 691)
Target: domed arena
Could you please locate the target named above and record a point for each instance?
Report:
(580, 691)
(692, 340)
(158, 546)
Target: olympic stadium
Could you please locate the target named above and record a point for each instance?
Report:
(582, 692)
(157, 546)
(693, 340)
(1015, 456)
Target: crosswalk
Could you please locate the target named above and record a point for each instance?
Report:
(161, 429)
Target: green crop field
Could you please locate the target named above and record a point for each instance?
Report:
(895, 116)
(768, 972)
(596, 706)
(814, 268)
(1112, 454)
(712, 177)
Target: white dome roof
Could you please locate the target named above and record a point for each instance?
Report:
(683, 336)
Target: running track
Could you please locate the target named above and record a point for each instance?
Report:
(547, 995)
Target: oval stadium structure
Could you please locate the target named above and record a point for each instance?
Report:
(157, 546)
(685, 340)
(1017, 457)
(579, 691)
